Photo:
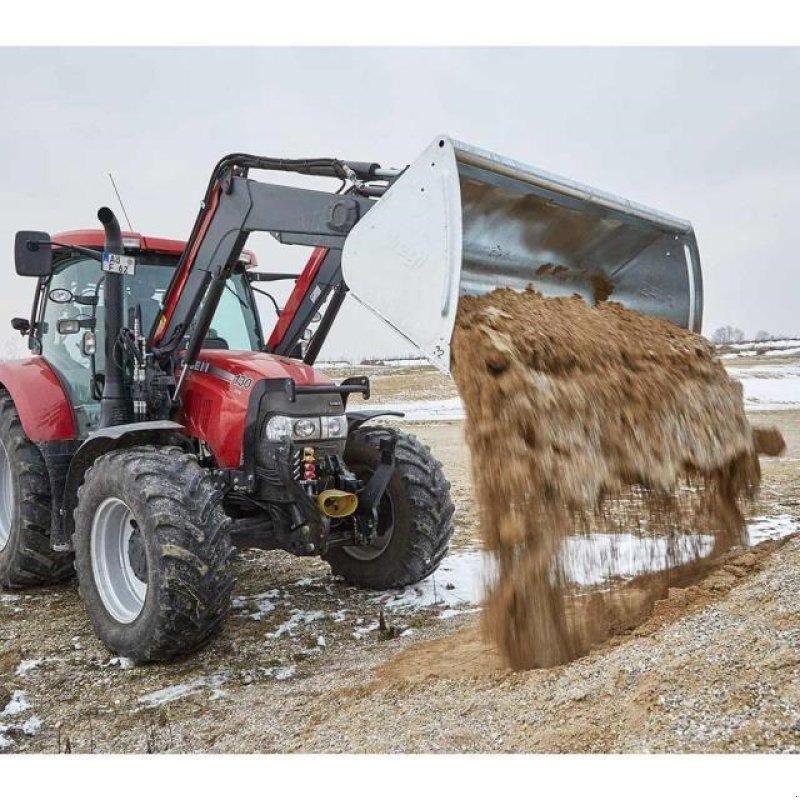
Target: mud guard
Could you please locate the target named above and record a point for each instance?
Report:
(355, 419)
(100, 442)
(40, 398)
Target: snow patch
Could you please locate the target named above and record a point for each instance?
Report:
(16, 705)
(296, 619)
(769, 387)
(588, 560)
(180, 690)
(121, 662)
(361, 632)
(596, 557)
(452, 612)
(27, 665)
(283, 673)
(5, 742)
(32, 726)
(424, 410)
(760, 529)
(780, 344)
(262, 603)
(459, 580)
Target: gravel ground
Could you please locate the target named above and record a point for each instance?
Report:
(303, 665)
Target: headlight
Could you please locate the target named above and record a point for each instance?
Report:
(334, 427)
(306, 428)
(278, 427)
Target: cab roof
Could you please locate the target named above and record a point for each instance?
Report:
(92, 237)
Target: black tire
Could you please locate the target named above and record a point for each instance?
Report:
(186, 551)
(26, 558)
(418, 498)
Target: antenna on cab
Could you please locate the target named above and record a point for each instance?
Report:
(122, 205)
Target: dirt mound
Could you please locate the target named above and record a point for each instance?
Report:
(467, 654)
(594, 418)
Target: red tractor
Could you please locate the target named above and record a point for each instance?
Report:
(155, 427)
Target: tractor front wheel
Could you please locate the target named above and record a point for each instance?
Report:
(414, 519)
(152, 553)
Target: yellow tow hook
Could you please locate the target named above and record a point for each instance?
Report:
(336, 503)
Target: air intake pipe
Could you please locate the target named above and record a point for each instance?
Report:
(116, 407)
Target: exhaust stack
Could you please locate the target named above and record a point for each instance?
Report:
(116, 407)
(461, 220)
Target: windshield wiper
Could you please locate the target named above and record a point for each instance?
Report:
(84, 251)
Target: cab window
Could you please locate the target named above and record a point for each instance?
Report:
(234, 327)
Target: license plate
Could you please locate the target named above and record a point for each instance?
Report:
(122, 265)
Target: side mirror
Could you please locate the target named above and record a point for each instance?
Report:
(21, 324)
(68, 326)
(33, 255)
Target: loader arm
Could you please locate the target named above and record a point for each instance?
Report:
(458, 220)
(235, 206)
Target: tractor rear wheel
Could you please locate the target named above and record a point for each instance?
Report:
(25, 510)
(415, 515)
(152, 553)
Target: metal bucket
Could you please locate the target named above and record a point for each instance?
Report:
(461, 220)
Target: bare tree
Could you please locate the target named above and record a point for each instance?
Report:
(727, 334)
(762, 336)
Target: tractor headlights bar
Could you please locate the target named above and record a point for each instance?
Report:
(304, 429)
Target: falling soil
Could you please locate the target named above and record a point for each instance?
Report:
(595, 420)
(602, 287)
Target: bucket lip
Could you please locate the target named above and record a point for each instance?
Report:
(493, 162)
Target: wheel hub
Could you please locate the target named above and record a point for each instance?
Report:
(137, 555)
(378, 534)
(119, 560)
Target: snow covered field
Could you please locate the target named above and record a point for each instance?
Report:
(770, 387)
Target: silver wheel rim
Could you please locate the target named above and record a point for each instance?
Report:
(6, 497)
(121, 591)
(376, 548)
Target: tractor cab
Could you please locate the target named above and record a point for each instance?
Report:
(68, 325)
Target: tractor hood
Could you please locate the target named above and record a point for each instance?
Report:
(217, 395)
(237, 367)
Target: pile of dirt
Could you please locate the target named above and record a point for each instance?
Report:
(466, 654)
(595, 418)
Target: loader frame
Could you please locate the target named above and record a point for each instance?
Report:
(235, 206)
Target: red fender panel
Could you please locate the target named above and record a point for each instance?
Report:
(42, 401)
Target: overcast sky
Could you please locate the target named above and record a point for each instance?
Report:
(712, 135)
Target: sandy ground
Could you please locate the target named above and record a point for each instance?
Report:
(302, 665)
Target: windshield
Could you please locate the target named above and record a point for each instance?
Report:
(234, 327)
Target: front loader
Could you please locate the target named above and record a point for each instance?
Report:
(155, 427)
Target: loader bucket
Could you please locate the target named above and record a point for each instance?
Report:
(461, 220)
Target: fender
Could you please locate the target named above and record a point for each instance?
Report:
(355, 419)
(97, 444)
(40, 398)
